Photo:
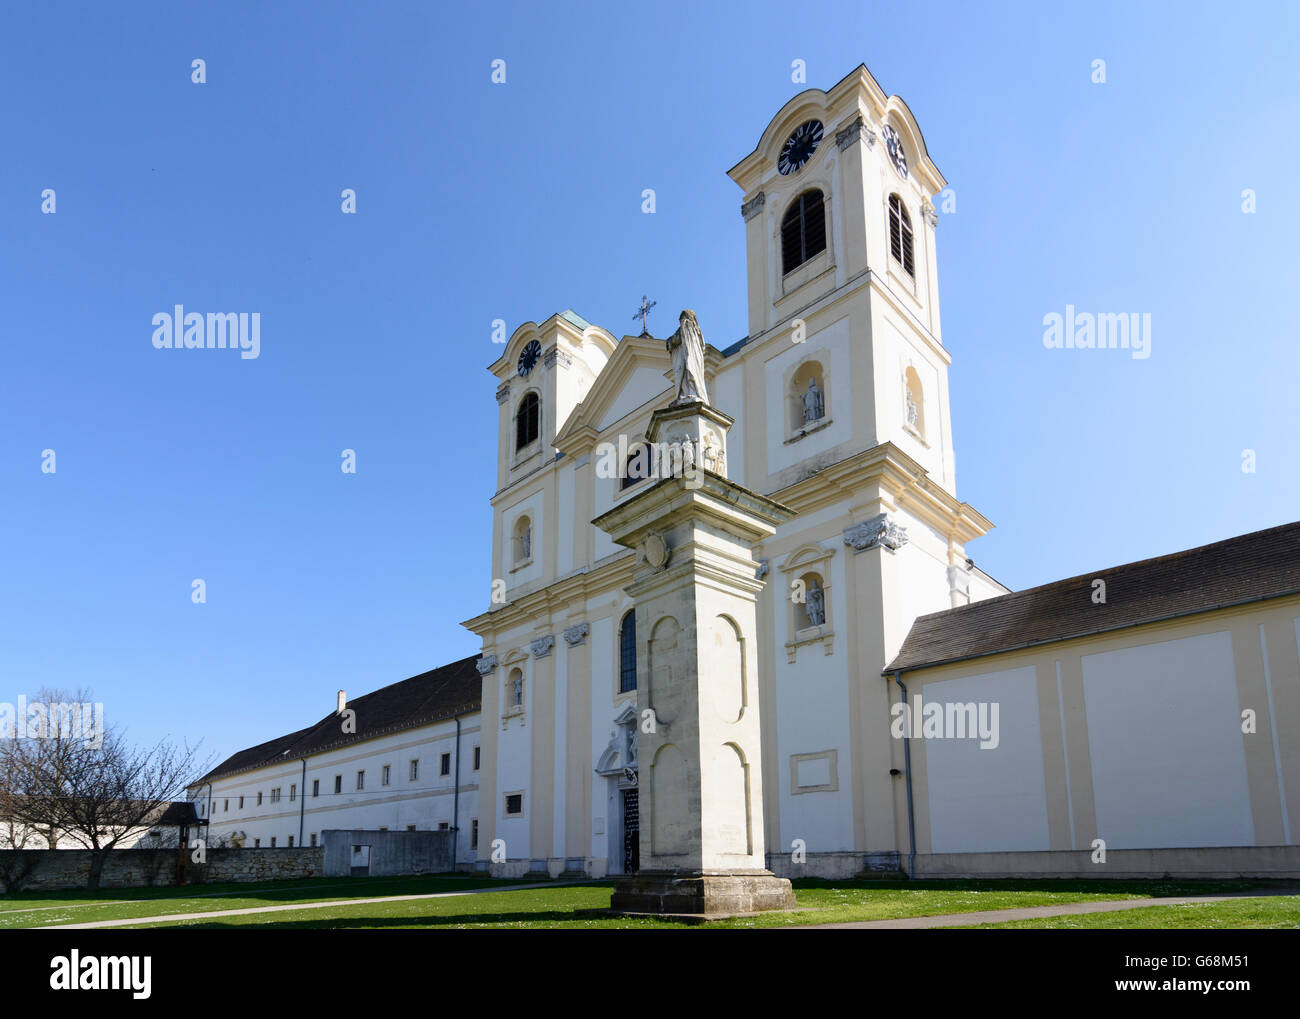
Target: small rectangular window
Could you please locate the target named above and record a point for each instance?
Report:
(315, 787)
(444, 826)
(225, 808)
(387, 773)
(293, 793)
(515, 803)
(473, 833)
(410, 827)
(476, 758)
(313, 840)
(415, 770)
(272, 841)
(259, 799)
(241, 803)
(290, 841)
(338, 783)
(446, 764)
(361, 780)
(257, 843)
(275, 795)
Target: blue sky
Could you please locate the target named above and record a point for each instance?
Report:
(479, 201)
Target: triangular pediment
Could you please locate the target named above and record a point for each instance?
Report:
(637, 379)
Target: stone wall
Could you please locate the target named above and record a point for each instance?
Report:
(51, 870)
(387, 853)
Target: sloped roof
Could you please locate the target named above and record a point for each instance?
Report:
(1251, 567)
(429, 697)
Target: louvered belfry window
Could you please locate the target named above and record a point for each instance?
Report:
(900, 235)
(527, 421)
(803, 230)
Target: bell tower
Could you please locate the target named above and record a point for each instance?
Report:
(840, 219)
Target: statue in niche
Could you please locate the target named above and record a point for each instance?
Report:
(687, 349)
(630, 753)
(814, 403)
(815, 603)
(913, 412)
(519, 691)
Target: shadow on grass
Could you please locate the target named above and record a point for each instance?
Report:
(538, 918)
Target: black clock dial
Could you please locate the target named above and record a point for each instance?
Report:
(528, 358)
(894, 145)
(800, 146)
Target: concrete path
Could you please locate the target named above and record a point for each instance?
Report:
(292, 906)
(1035, 912)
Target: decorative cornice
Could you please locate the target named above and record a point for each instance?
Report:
(754, 206)
(503, 392)
(856, 131)
(878, 532)
(541, 647)
(486, 664)
(577, 634)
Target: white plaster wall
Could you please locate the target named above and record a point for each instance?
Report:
(644, 385)
(424, 802)
(1164, 729)
(988, 800)
(564, 520)
(812, 700)
(729, 397)
(834, 340)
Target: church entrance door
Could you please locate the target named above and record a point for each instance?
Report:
(631, 832)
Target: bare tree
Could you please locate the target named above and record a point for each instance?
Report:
(96, 788)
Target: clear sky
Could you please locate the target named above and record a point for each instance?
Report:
(478, 201)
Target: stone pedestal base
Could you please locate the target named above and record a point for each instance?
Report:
(701, 893)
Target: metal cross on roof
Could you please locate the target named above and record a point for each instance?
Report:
(642, 312)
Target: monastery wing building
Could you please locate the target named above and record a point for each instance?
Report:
(916, 716)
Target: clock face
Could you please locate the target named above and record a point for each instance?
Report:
(800, 146)
(895, 146)
(528, 358)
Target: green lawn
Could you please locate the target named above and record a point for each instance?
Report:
(1279, 911)
(548, 905)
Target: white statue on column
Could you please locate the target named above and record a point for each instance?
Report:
(687, 349)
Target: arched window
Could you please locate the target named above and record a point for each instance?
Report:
(637, 466)
(803, 230)
(522, 540)
(627, 653)
(811, 611)
(527, 420)
(913, 401)
(807, 396)
(900, 235)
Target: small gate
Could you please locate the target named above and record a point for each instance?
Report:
(360, 861)
(631, 832)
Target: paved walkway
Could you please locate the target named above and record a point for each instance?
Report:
(291, 906)
(1035, 912)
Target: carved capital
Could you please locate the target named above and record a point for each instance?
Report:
(554, 355)
(856, 131)
(878, 532)
(754, 206)
(541, 647)
(503, 392)
(577, 634)
(486, 664)
(764, 565)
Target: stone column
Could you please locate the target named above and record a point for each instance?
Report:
(700, 765)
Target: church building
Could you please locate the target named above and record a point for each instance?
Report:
(914, 715)
(1094, 726)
